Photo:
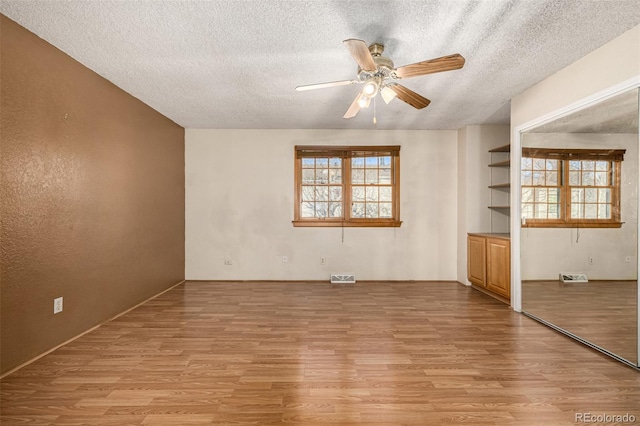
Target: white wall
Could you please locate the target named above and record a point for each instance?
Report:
(239, 206)
(546, 252)
(474, 178)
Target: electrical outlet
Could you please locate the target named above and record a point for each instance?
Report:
(591, 261)
(285, 259)
(323, 260)
(627, 259)
(228, 262)
(57, 305)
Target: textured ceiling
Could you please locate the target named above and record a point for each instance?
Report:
(235, 64)
(618, 114)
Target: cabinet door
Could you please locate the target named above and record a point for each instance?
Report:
(476, 260)
(499, 266)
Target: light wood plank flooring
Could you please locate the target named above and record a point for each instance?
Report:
(604, 313)
(417, 353)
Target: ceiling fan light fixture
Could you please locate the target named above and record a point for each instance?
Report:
(371, 87)
(387, 94)
(364, 101)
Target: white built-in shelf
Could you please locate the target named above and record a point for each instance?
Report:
(501, 186)
(505, 163)
(503, 148)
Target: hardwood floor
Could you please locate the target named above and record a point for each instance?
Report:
(416, 353)
(604, 313)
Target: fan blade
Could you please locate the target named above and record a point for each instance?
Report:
(354, 108)
(445, 63)
(361, 54)
(409, 96)
(323, 85)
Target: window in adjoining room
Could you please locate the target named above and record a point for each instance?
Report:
(571, 188)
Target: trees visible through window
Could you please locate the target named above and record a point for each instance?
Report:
(570, 188)
(347, 186)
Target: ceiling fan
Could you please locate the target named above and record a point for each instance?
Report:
(378, 74)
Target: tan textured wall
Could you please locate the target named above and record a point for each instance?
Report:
(92, 197)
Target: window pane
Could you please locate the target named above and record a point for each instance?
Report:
(527, 178)
(527, 195)
(335, 209)
(322, 209)
(576, 211)
(588, 165)
(372, 193)
(335, 193)
(604, 211)
(308, 176)
(371, 210)
(385, 193)
(357, 176)
(554, 195)
(541, 195)
(385, 209)
(385, 176)
(590, 195)
(371, 162)
(357, 162)
(322, 193)
(574, 178)
(527, 211)
(553, 211)
(588, 178)
(307, 209)
(385, 161)
(371, 176)
(577, 195)
(590, 211)
(357, 210)
(538, 164)
(335, 175)
(322, 162)
(541, 211)
(308, 163)
(322, 176)
(335, 163)
(601, 179)
(574, 165)
(552, 164)
(307, 193)
(357, 193)
(602, 165)
(604, 195)
(538, 178)
(552, 178)
(526, 164)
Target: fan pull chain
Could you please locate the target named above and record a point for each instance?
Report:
(374, 111)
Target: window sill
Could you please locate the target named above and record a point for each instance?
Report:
(581, 225)
(348, 224)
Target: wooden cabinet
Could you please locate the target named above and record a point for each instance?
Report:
(489, 263)
(499, 266)
(477, 260)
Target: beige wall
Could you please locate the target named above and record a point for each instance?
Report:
(92, 197)
(239, 206)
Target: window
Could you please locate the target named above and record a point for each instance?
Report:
(347, 186)
(571, 187)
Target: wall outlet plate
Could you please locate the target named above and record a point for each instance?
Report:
(57, 305)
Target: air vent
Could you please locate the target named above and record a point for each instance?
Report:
(574, 278)
(343, 278)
